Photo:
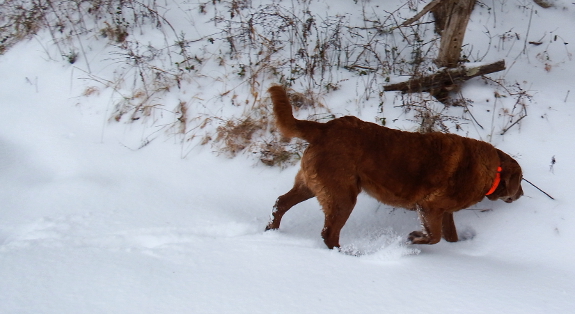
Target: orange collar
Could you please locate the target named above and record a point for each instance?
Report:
(496, 181)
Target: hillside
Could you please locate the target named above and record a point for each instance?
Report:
(116, 198)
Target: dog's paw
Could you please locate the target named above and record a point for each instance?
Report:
(268, 228)
(418, 237)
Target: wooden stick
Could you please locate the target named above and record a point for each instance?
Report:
(551, 197)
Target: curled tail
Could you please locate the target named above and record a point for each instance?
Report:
(285, 121)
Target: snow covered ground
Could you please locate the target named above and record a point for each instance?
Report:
(90, 225)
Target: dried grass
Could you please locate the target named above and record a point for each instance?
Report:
(270, 43)
(236, 134)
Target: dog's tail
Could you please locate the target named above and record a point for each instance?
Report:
(288, 125)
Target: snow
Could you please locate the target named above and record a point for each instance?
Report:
(89, 224)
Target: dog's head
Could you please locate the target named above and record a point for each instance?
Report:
(509, 188)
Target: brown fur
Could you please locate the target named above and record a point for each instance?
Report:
(436, 174)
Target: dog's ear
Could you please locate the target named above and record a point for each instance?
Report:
(509, 188)
(512, 181)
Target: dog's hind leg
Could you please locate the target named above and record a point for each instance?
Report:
(299, 193)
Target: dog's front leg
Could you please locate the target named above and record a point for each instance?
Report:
(431, 221)
(336, 209)
(448, 228)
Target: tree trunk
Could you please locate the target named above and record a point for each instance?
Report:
(451, 18)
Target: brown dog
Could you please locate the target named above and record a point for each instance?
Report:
(436, 174)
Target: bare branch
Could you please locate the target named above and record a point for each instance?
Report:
(426, 9)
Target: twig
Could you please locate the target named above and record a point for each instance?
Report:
(527, 35)
(483, 210)
(551, 197)
(514, 123)
(469, 112)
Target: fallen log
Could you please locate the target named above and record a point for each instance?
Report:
(439, 84)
